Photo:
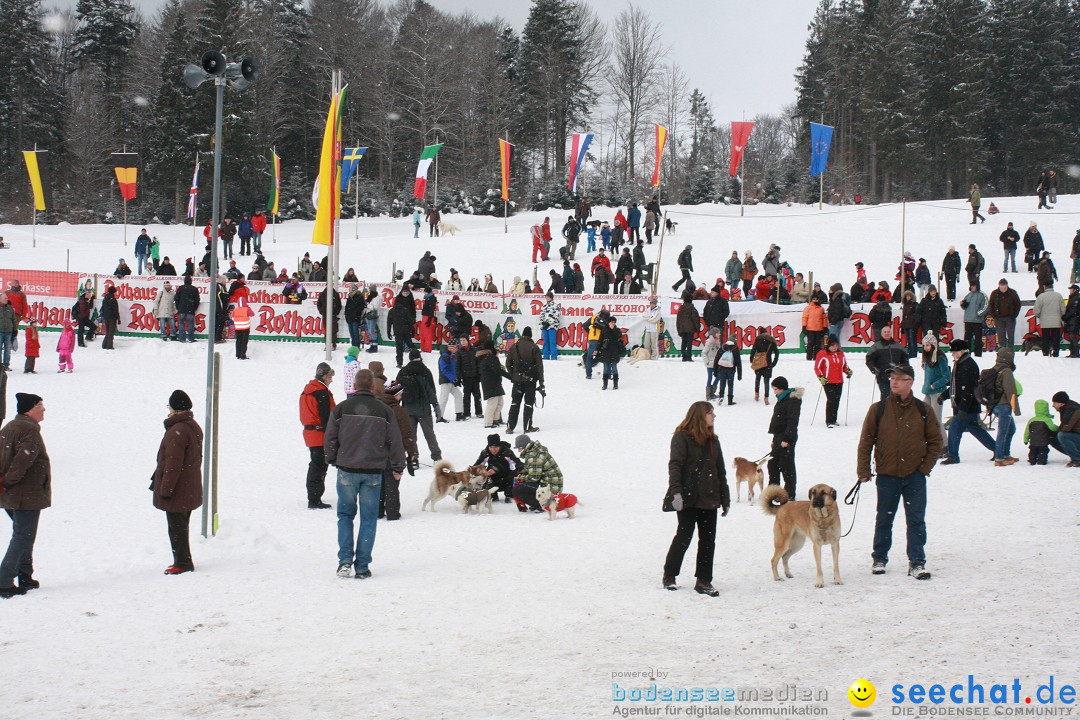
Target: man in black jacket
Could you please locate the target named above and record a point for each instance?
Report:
(335, 314)
(502, 466)
(362, 438)
(950, 268)
(716, 311)
(965, 377)
(187, 302)
(400, 322)
(686, 266)
(420, 399)
(470, 377)
(884, 355)
(784, 427)
(1072, 319)
(932, 312)
(525, 364)
(1009, 241)
(975, 265)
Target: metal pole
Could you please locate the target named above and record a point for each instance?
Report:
(214, 483)
(436, 204)
(67, 266)
(903, 247)
(125, 221)
(33, 227)
(211, 315)
(506, 203)
(195, 211)
(742, 190)
(356, 205)
(821, 190)
(659, 254)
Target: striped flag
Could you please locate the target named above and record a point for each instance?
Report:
(193, 194)
(661, 140)
(426, 158)
(275, 183)
(125, 165)
(505, 149)
(578, 148)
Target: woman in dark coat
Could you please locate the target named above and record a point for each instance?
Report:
(697, 486)
(177, 482)
(764, 354)
(610, 352)
(687, 324)
(110, 315)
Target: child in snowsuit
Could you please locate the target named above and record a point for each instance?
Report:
(32, 346)
(351, 366)
(1038, 433)
(65, 346)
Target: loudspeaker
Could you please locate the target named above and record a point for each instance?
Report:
(242, 74)
(194, 76)
(213, 63)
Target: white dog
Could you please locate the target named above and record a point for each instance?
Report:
(552, 504)
(448, 228)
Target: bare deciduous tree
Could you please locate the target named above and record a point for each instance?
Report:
(635, 77)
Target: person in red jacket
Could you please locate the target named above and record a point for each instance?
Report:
(258, 227)
(537, 242)
(831, 367)
(601, 260)
(22, 310)
(545, 234)
(316, 402)
(764, 289)
(32, 347)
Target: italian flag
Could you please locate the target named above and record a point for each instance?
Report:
(426, 158)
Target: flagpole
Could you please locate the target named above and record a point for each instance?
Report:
(277, 189)
(336, 222)
(903, 247)
(436, 203)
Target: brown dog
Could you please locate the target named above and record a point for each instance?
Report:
(445, 477)
(749, 472)
(816, 518)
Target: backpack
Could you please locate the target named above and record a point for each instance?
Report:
(987, 391)
(727, 360)
(879, 409)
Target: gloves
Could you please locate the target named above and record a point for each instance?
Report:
(823, 381)
(724, 512)
(411, 464)
(1016, 412)
(676, 502)
(849, 372)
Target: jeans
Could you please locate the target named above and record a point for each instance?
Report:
(911, 342)
(351, 487)
(19, 559)
(685, 278)
(226, 249)
(140, 262)
(1010, 255)
(1006, 430)
(837, 330)
(764, 374)
(187, 327)
(373, 331)
(1067, 443)
(727, 380)
(705, 521)
(711, 377)
(179, 538)
(890, 489)
(550, 341)
(967, 422)
(590, 350)
(245, 246)
(256, 242)
(168, 326)
(354, 333)
(5, 348)
(1006, 332)
(611, 370)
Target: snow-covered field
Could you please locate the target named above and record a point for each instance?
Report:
(509, 615)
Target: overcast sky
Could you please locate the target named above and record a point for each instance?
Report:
(742, 54)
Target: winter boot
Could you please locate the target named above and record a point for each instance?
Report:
(458, 417)
(757, 397)
(730, 401)
(710, 392)
(706, 588)
(669, 582)
(615, 382)
(605, 383)
(766, 399)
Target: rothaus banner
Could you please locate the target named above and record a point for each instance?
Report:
(505, 315)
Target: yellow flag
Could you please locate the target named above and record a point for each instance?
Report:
(30, 156)
(325, 211)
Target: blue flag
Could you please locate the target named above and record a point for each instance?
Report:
(350, 158)
(820, 142)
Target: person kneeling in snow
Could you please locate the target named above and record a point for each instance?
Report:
(502, 466)
(539, 469)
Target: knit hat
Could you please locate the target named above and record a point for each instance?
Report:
(971, 246)
(353, 351)
(393, 388)
(179, 401)
(522, 441)
(958, 345)
(527, 332)
(929, 339)
(25, 402)
(1060, 396)
(414, 354)
(780, 382)
(494, 439)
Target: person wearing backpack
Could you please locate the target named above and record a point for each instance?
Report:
(1003, 404)
(965, 379)
(726, 365)
(525, 364)
(975, 265)
(903, 433)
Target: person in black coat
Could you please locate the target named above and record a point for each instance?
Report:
(784, 427)
(491, 375)
(697, 487)
(764, 346)
(166, 268)
(879, 316)
(470, 376)
(625, 264)
(557, 285)
(639, 262)
(610, 351)
(110, 315)
(602, 281)
(932, 312)
(335, 313)
(950, 269)
(884, 355)
(354, 314)
(502, 466)
(686, 266)
(716, 311)
(1033, 246)
(401, 320)
(966, 409)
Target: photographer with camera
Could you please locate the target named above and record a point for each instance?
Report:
(526, 368)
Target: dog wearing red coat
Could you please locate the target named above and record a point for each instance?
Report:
(555, 503)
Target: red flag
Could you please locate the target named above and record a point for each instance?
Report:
(740, 133)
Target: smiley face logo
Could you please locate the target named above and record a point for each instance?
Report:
(862, 693)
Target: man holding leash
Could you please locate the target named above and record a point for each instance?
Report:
(904, 434)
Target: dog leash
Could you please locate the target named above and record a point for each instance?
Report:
(852, 497)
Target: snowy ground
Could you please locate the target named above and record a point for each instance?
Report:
(512, 616)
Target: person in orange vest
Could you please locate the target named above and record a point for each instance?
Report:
(815, 323)
(316, 402)
(241, 317)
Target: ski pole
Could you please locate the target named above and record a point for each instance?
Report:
(821, 388)
(847, 403)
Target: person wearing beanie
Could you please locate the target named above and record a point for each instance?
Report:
(419, 399)
(1038, 433)
(1067, 440)
(784, 427)
(904, 434)
(716, 311)
(831, 369)
(500, 465)
(538, 468)
(26, 490)
(839, 309)
(610, 351)
(450, 380)
(110, 315)
(316, 402)
(351, 366)
(936, 377)
(177, 479)
(966, 408)
(400, 322)
(975, 265)
(525, 365)
(390, 393)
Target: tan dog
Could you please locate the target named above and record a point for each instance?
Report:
(816, 518)
(749, 472)
(445, 477)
